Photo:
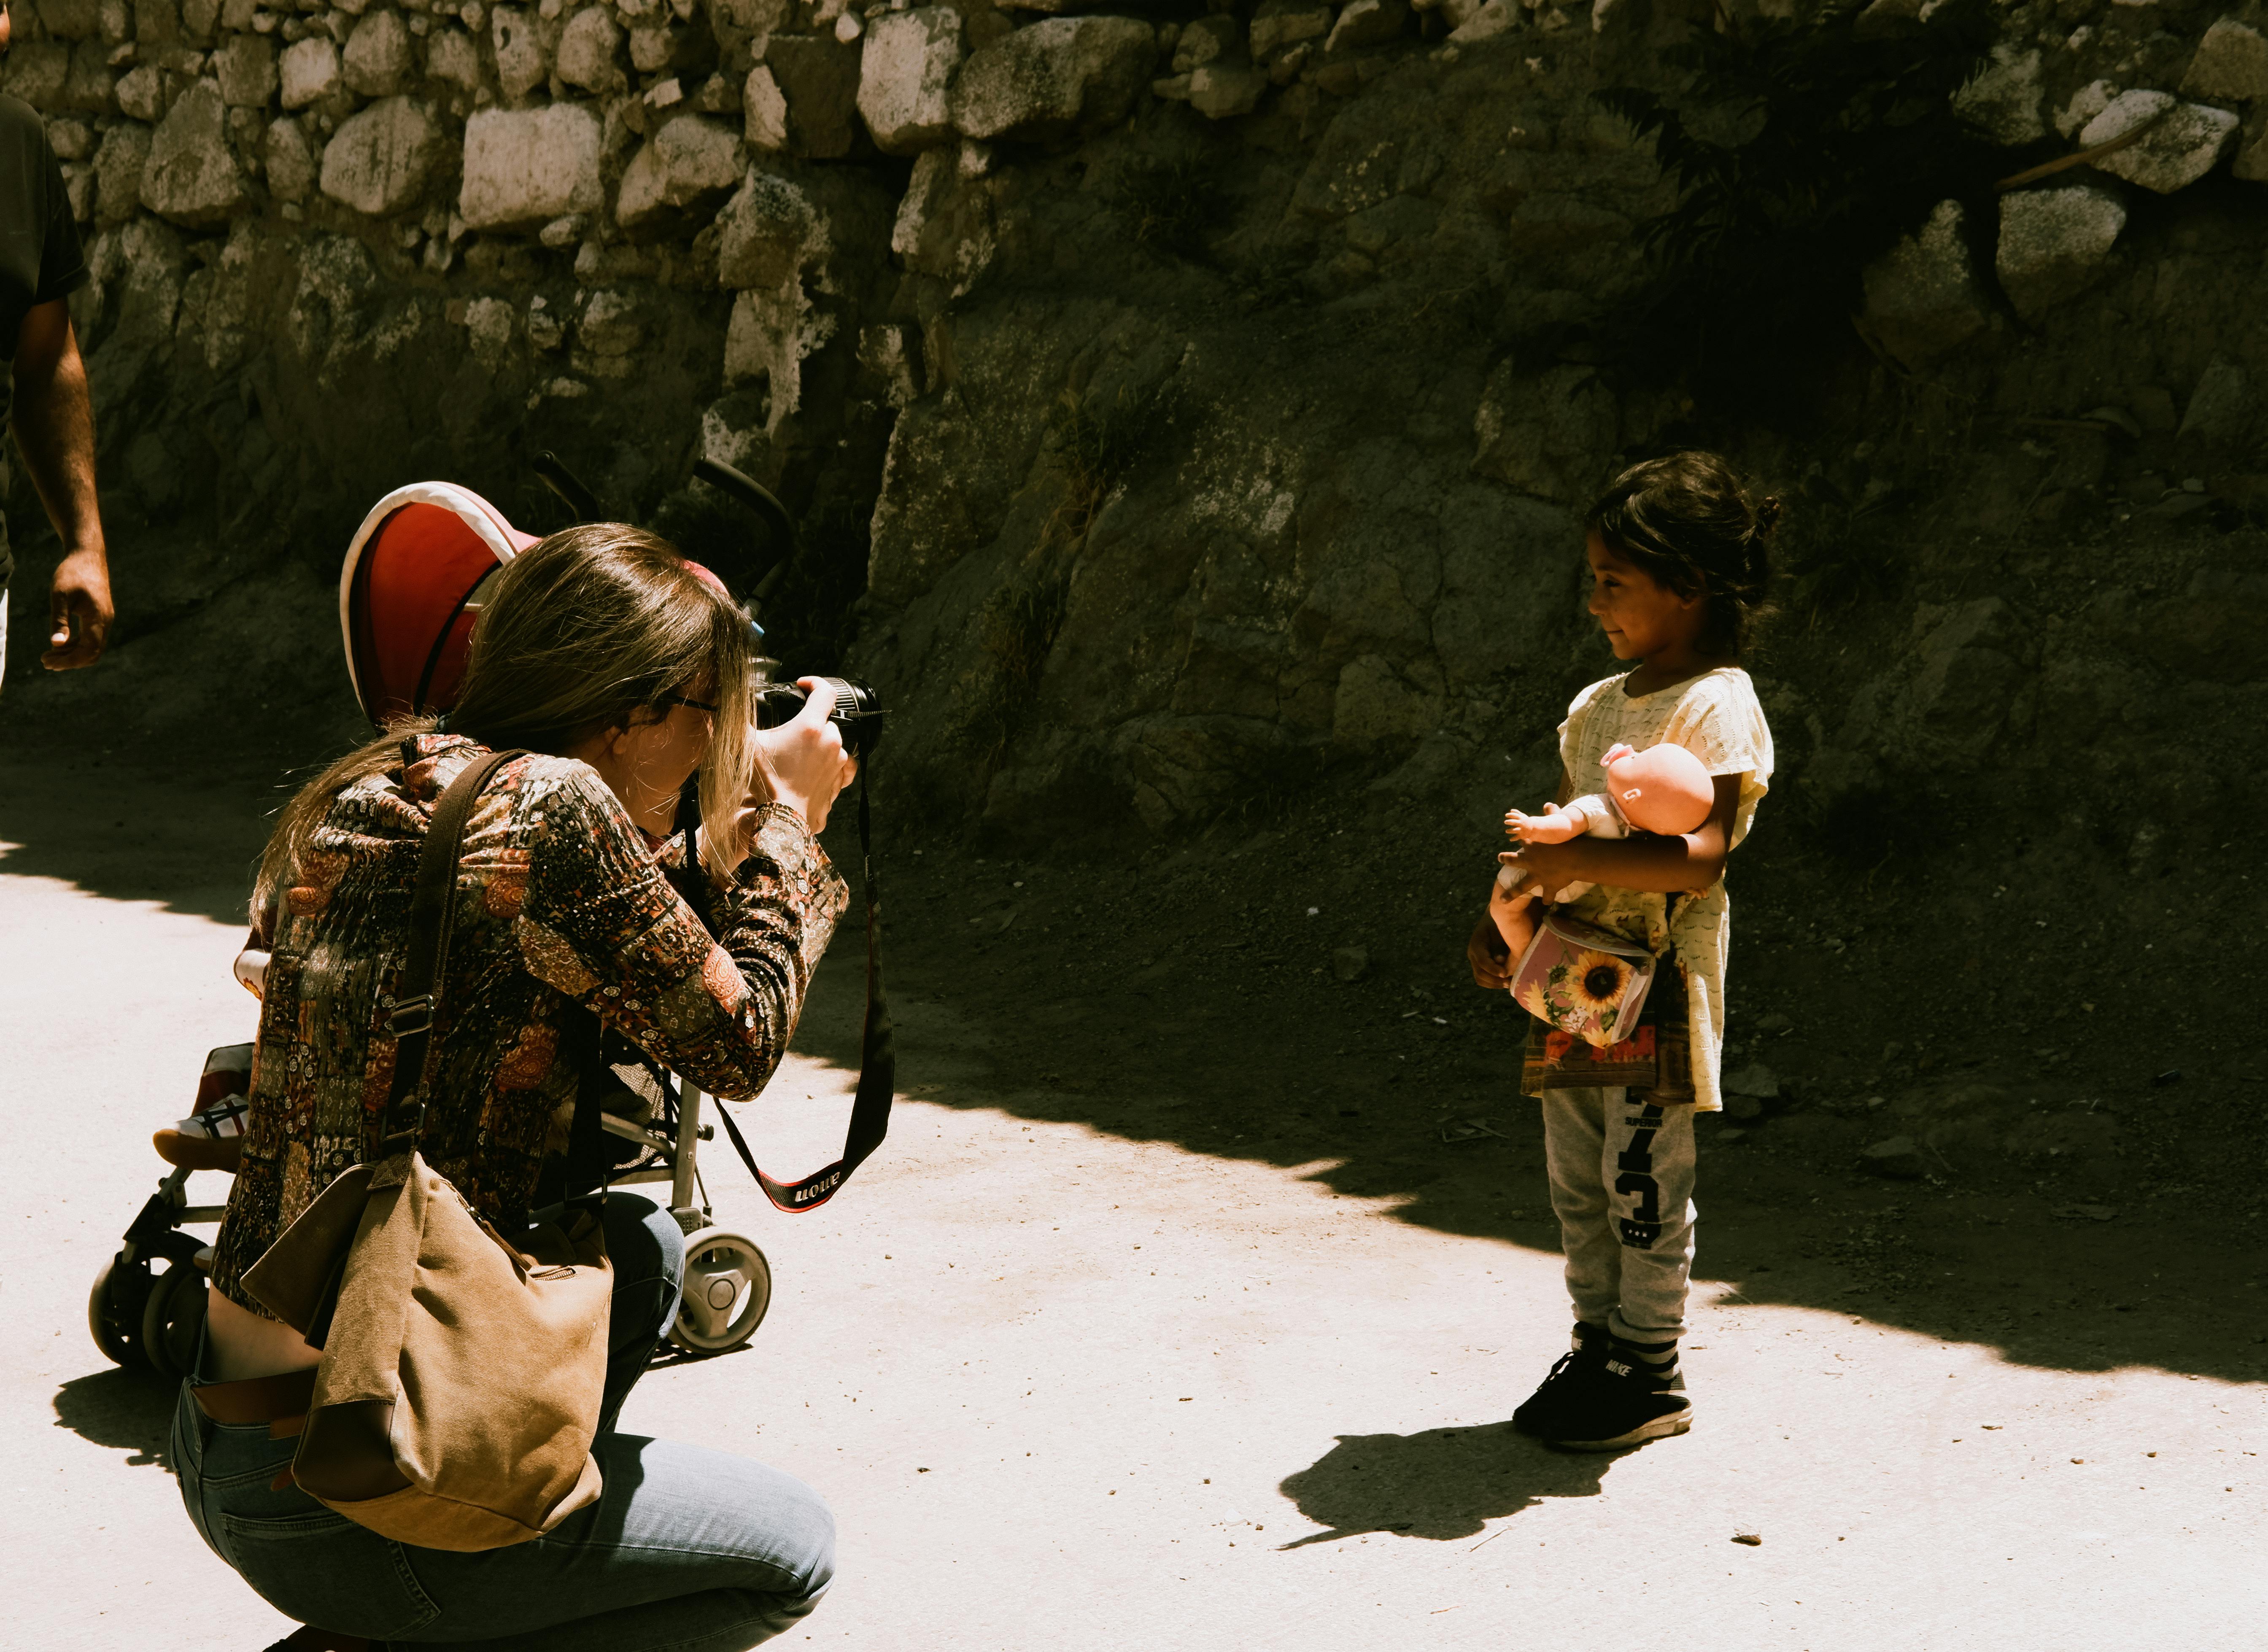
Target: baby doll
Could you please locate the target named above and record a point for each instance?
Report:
(1663, 789)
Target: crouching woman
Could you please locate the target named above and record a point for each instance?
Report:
(621, 671)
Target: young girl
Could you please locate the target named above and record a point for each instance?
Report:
(1679, 561)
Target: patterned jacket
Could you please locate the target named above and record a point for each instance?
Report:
(560, 896)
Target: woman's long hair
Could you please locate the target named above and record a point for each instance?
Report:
(583, 633)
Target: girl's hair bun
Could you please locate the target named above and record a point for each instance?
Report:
(1768, 513)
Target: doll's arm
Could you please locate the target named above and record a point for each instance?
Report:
(1557, 825)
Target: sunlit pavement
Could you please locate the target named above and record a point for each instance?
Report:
(1067, 1391)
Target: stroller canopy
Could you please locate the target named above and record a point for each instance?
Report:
(411, 590)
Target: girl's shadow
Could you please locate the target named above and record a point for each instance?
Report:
(1443, 1484)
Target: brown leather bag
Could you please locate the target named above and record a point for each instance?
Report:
(462, 1369)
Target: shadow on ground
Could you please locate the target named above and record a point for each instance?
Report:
(122, 1410)
(1145, 998)
(1442, 1484)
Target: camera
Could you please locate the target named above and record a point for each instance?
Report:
(858, 710)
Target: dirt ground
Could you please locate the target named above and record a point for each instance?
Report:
(1194, 1288)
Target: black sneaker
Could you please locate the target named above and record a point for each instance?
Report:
(1618, 1406)
(1574, 1371)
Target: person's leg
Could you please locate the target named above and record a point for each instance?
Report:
(647, 1250)
(1653, 1165)
(1573, 1127)
(687, 1549)
(1574, 1138)
(1646, 1168)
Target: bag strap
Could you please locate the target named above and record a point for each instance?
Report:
(410, 1019)
(878, 1058)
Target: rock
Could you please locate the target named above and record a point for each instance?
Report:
(454, 55)
(290, 161)
(1220, 90)
(818, 78)
(1746, 1108)
(769, 230)
(1755, 1080)
(1207, 37)
(519, 47)
(524, 166)
(2220, 408)
(1922, 296)
(1900, 1156)
(590, 52)
(610, 325)
(491, 328)
(377, 60)
(381, 160)
(1367, 22)
(72, 19)
(764, 111)
(191, 177)
(2053, 243)
(71, 140)
(929, 194)
(310, 72)
(141, 94)
(1349, 963)
(246, 66)
(2088, 102)
(1280, 24)
(1056, 76)
(118, 166)
(1494, 18)
(2004, 101)
(87, 88)
(691, 162)
(888, 351)
(759, 342)
(849, 27)
(904, 75)
(2231, 63)
(2174, 153)
(1549, 435)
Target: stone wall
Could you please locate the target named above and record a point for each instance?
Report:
(1203, 398)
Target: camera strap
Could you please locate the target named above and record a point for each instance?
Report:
(878, 1058)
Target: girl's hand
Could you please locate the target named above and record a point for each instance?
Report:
(1547, 868)
(801, 763)
(1490, 958)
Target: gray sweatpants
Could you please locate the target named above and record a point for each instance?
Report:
(1622, 1186)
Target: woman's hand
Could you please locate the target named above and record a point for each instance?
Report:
(801, 763)
(1547, 868)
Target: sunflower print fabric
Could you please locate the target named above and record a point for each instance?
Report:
(561, 900)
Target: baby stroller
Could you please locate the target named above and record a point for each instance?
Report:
(411, 588)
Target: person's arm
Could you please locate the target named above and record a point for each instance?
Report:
(1486, 955)
(54, 422)
(600, 922)
(1664, 865)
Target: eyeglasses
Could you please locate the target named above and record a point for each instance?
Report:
(690, 705)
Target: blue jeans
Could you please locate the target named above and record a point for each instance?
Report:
(687, 1550)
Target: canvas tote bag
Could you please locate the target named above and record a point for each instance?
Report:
(462, 1368)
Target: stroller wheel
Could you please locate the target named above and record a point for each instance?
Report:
(728, 1285)
(113, 1309)
(172, 1318)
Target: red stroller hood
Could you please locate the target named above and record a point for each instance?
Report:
(408, 594)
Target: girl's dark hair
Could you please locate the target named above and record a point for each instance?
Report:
(1686, 521)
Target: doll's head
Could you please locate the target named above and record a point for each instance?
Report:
(1663, 789)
